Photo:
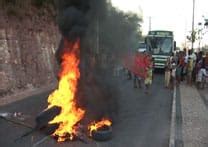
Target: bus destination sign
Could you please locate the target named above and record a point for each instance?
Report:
(161, 33)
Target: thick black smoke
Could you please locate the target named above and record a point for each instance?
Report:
(95, 91)
(81, 5)
(74, 16)
(72, 23)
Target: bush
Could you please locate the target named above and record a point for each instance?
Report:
(38, 3)
(11, 11)
(41, 3)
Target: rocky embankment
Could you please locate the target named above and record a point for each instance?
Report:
(28, 40)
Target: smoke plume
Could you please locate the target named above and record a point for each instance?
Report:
(95, 91)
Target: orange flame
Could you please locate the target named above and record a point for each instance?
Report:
(96, 125)
(64, 96)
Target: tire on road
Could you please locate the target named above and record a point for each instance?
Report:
(102, 135)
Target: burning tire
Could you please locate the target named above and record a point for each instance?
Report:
(102, 134)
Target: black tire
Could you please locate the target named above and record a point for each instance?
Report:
(102, 135)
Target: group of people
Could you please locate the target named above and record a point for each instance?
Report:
(141, 70)
(188, 67)
(191, 68)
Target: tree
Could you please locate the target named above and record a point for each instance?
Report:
(192, 37)
(120, 32)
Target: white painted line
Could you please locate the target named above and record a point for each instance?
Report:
(41, 141)
(173, 120)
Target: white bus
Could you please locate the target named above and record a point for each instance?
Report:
(161, 45)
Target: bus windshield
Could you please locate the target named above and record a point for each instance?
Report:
(160, 45)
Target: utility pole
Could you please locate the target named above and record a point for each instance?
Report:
(97, 37)
(200, 29)
(193, 32)
(185, 34)
(150, 23)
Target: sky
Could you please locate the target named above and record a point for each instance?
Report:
(173, 15)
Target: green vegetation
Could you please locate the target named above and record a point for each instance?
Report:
(41, 3)
(21, 8)
(17, 3)
(119, 32)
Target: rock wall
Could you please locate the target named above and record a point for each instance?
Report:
(27, 48)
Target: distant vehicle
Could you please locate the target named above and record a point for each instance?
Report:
(161, 45)
(142, 47)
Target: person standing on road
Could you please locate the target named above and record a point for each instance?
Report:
(148, 78)
(199, 62)
(179, 67)
(184, 64)
(137, 79)
(205, 60)
(167, 72)
(129, 74)
(194, 57)
(201, 77)
(190, 67)
(173, 75)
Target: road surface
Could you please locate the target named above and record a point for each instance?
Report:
(143, 120)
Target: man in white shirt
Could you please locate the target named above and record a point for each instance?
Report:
(201, 77)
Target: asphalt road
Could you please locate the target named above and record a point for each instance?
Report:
(143, 121)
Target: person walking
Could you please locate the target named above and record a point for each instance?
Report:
(179, 67)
